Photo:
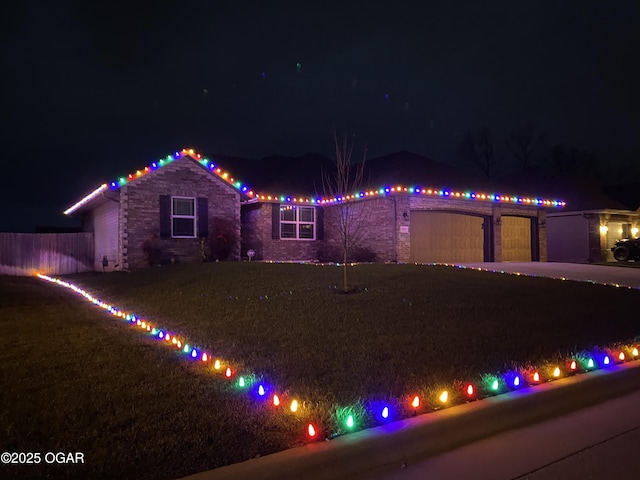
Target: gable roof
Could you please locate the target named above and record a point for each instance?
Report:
(131, 177)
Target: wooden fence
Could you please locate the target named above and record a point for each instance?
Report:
(50, 253)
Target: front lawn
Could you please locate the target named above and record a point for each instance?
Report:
(80, 379)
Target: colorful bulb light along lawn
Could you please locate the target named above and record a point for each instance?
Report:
(244, 189)
(493, 384)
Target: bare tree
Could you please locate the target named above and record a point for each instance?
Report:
(577, 163)
(478, 148)
(344, 181)
(524, 144)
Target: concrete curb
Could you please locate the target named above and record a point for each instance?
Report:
(370, 451)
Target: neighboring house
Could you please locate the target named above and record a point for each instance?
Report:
(170, 211)
(593, 220)
(177, 203)
(586, 236)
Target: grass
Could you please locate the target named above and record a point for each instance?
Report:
(81, 380)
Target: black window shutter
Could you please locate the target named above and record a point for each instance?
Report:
(275, 221)
(319, 223)
(165, 216)
(203, 217)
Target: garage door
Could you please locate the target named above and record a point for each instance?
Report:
(516, 239)
(446, 238)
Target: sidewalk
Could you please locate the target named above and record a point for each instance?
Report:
(599, 442)
(381, 451)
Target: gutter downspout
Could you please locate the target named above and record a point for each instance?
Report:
(395, 230)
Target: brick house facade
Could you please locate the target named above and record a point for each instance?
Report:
(382, 227)
(185, 209)
(178, 210)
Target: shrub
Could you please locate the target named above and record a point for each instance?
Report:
(225, 239)
(152, 251)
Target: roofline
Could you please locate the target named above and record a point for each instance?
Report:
(613, 211)
(244, 189)
(400, 190)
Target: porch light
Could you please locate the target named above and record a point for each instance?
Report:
(604, 229)
(634, 231)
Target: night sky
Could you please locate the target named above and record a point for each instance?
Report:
(90, 93)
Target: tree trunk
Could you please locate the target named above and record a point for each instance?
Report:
(344, 271)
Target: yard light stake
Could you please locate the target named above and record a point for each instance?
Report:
(241, 382)
(444, 396)
(590, 363)
(536, 377)
(606, 360)
(495, 385)
(416, 402)
(276, 400)
(186, 348)
(194, 353)
(204, 357)
(573, 365)
(470, 390)
(217, 365)
(227, 373)
(556, 372)
(621, 356)
(516, 381)
(385, 412)
(261, 390)
(294, 406)
(635, 352)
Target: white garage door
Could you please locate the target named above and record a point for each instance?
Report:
(440, 237)
(516, 239)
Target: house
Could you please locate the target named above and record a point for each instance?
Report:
(176, 208)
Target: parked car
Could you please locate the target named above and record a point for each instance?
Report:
(626, 249)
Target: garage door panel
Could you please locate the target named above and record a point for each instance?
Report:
(441, 237)
(516, 239)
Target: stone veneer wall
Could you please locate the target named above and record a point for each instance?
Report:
(140, 211)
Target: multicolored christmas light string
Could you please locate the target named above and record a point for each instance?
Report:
(253, 196)
(380, 411)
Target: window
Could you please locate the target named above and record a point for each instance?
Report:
(183, 217)
(297, 222)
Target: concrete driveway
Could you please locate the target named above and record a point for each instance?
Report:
(622, 276)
